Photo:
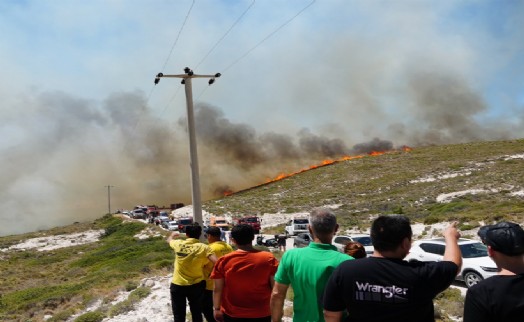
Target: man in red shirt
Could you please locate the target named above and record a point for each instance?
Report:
(243, 280)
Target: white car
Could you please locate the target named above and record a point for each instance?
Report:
(476, 264)
(341, 241)
(172, 225)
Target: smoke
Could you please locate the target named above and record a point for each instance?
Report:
(64, 151)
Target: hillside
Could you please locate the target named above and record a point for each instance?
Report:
(474, 183)
(469, 182)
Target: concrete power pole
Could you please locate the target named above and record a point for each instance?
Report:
(195, 178)
(109, 198)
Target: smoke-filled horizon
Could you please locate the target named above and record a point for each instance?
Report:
(69, 149)
(341, 77)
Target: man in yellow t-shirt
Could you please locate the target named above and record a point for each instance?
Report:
(188, 281)
(220, 248)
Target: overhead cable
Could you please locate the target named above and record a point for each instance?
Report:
(227, 32)
(268, 36)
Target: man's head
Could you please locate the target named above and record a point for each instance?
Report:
(323, 224)
(388, 233)
(505, 237)
(213, 234)
(193, 231)
(243, 234)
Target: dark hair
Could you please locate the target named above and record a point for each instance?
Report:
(322, 221)
(214, 231)
(388, 232)
(243, 234)
(355, 250)
(505, 237)
(193, 231)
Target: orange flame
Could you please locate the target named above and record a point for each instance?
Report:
(329, 162)
(281, 176)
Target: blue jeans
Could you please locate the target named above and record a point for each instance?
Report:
(193, 294)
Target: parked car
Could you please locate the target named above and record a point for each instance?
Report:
(172, 225)
(302, 240)
(138, 214)
(476, 264)
(297, 225)
(164, 221)
(341, 241)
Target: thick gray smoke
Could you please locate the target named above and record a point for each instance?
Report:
(65, 151)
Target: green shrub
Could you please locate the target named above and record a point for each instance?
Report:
(131, 285)
(451, 302)
(94, 316)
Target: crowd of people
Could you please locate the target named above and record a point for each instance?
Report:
(248, 284)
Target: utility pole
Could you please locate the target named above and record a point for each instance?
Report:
(109, 198)
(193, 157)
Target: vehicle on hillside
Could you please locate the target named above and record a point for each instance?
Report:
(297, 225)
(172, 225)
(340, 241)
(183, 222)
(253, 221)
(476, 264)
(302, 240)
(220, 222)
(138, 214)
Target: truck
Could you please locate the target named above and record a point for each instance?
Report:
(253, 221)
(297, 225)
(220, 222)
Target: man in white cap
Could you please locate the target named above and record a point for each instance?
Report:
(500, 297)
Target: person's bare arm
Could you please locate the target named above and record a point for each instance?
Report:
(217, 299)
(330, 316)
(271, 281)
(452, 252)
(213, 258)
(172, 236)
(278, 296)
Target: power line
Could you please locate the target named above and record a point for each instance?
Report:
(269, 36)
(178, 36)
(168, 57)
(211, 50)
(227, 32)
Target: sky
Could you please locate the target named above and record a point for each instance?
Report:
(301, 81)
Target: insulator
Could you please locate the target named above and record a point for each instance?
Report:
(157, 80)
(211, 81)
(187, 70)
(218, 75)
(183, 81)
(159, 75)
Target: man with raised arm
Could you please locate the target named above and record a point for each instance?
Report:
(384, 287)
(188, 283)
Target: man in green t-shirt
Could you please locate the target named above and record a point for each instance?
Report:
(307, 270)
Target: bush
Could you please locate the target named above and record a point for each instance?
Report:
(451, 302)
(94, 316)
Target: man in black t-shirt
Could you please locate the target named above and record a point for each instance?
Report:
(501, 297)
(384, 287)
